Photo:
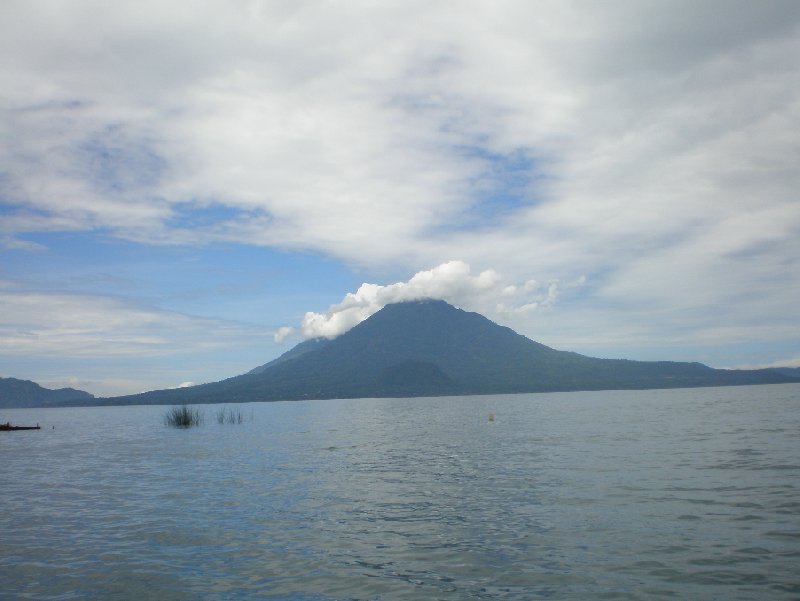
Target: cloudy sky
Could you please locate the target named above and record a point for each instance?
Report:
(189, 188)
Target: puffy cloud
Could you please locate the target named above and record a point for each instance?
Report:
(420, 132)
(487, 292)
(282, 333)
(649, 145)
(181, 385)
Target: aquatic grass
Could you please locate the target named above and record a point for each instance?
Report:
(230, 415)
(183, 417)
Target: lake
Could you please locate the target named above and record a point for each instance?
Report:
(661, 494)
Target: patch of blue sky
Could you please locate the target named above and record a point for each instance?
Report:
(506, 183)
(197, 214)
(12, 207)
(506, 179)
(225, 281)
(256, 284)
(118, 162)
(50, 105)
(6, 207)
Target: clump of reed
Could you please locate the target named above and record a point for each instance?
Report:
(230, 415)
(183, 417)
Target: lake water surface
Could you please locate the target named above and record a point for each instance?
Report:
(668, 494)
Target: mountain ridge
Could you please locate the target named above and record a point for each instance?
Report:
(16, 393)
(306, 346)
(430, 348)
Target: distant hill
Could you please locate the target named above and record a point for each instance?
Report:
(16, 393)
(792, 372)
(429, 348)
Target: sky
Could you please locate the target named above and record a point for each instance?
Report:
(188, 189)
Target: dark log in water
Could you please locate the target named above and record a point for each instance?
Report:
(7, 427)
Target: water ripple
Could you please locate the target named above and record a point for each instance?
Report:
(613, 495)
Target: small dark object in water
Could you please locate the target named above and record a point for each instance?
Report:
(7, 427)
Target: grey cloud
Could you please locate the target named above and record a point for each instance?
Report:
(654, 128)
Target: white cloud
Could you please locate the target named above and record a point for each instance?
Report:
(652, 146)
(78, 325)
(487, 292)
(181, 385)
(282, 333)
(397, 128)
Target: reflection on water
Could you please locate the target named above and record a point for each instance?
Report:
(689, 494)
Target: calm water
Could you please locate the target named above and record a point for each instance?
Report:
(681, 494)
